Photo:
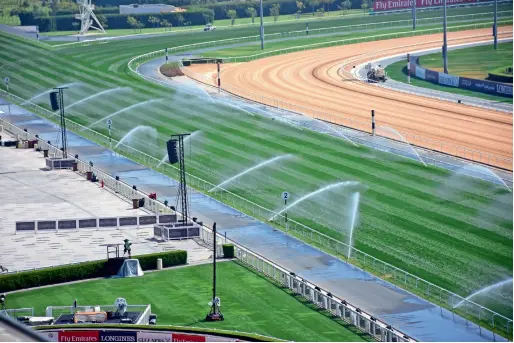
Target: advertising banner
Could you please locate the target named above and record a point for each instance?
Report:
(448, 80)
(432, 76)
(185, 337)
(153, 337)
(118, 336)
(502, 89)
(79, 336)
(486, 86)
(52, 336)
(391, 5)
(420, 72)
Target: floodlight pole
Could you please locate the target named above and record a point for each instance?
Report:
(445, 41)
(182, 185)
(214, 265)
(262, 25)
(215, 313)
(495, 25)
(63, 121)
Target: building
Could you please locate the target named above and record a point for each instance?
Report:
(148, 8)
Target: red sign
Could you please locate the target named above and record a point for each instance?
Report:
(79, 336)
(183, 337)
(391, 5)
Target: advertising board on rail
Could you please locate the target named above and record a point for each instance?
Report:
(391, 5)
(483, 86)
(131, 336)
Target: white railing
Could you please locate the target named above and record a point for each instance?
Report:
(18, 312)
(378, 267)
(324, 299)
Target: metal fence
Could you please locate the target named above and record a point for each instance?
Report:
(378, 267)
(18, 312)
(321, 298)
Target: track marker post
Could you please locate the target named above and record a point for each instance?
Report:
(373, 122)
(408, 68)
(219, 79)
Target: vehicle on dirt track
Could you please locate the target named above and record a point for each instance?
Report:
(209, 27)
(375, 73)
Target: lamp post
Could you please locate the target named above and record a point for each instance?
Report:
(262, 25)
(445, 41)
(495, 25)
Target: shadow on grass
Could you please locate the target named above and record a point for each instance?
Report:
(309, 304)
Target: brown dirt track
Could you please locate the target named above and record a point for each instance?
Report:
(314, 81)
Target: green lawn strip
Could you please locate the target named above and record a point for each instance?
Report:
(479, 59)
(322, 161)
(255, 48)
(474, 62)
(224, 24)
(249, 302)
(285, 22)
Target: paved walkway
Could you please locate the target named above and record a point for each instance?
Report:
(405, 311)
(30, 192)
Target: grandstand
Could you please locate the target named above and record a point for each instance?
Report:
(31, 192)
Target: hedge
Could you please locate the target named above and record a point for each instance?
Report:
(80, 271)
(286, 7)
(114, 21)
(228, 250)
(502, 74)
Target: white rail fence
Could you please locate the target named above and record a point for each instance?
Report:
(321, 298)
(378, 267)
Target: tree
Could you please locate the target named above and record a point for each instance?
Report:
(300, 6)
(251, 12)
(313, 4)
(102, 20)
(346, 5)
(232, 14)
(165, 24)
(328, 2)
(154, 21)
(180, 19)
(132, 22)
(274, 11)
(208, 16)
(140, 26)
(364, 5)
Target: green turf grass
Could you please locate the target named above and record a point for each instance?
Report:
(473, 62)
(249, 302)
(453, 231)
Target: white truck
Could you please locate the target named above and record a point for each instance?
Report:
(209, 27)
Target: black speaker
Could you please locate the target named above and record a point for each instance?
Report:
(172, 151)
(54, 100)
